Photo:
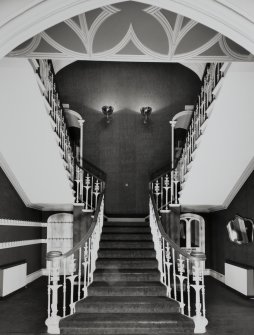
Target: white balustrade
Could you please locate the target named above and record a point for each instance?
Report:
(45, 72)
(69, 275)
(165, 190)
(211, 78)
(88, 188)
(180, 272)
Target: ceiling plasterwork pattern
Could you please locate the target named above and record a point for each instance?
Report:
(132, 31)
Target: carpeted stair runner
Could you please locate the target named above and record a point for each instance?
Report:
(126, 296)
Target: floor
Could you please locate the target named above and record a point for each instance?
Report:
(228, 312)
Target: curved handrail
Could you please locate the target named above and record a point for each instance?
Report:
(166, 237)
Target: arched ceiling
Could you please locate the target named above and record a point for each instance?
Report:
(132, 31)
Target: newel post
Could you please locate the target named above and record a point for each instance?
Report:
(172, 123)
(198, 266)
(81, 124)
(53, 267)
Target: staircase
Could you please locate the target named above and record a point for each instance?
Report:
(126, 295)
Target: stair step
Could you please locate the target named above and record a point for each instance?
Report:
(126, 323)
(126, 244)
(126, 263)
(126, 253)
(140, 288)
(127, 304)
(126, 224)
(129, 237)
(131, 230)
(126, 275)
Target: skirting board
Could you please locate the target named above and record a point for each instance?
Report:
(216, 275)
(35, 275)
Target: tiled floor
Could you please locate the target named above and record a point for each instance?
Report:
(228, 312)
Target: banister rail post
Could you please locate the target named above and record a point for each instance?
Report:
(198, 265)
(53, 267)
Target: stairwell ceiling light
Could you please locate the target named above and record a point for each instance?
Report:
(146, 112)
(108, 111)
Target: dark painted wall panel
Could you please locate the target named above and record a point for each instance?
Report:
(12, 207)
(126, 149)
(30, 253)
(16, 233)
(220, 248)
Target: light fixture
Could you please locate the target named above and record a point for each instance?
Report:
(107, 111)
(146, 112)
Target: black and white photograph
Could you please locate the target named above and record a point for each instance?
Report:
(126, 167)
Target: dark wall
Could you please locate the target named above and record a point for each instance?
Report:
(126, 149)
(219, 247)
(12, 207)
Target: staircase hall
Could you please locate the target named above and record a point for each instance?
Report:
(126, 295)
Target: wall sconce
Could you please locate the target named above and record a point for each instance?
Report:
(146, 112)
(107, 111)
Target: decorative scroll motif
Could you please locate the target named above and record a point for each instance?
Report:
(14, 244)
(212, 77)
(9, 222)
(180, 272)
(165, 190)
(73, 269)
(44, 69)
(180, 38)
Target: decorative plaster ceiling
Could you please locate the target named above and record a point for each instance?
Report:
(132, 31)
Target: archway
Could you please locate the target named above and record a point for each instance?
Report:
(22, 23)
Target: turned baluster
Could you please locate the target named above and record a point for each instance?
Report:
(181, 277)
(71, 278)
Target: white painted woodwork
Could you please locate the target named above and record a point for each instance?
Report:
(216, 172)
(60, 232)
(29, 153)
(223, 16)
(240, 278)
(183, 268)
(76, 267)
(22, 243)
(188, 223)
(12, 278)
(10, 222)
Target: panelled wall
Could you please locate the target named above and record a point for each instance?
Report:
(127, 150)
(218, 246)
(12, 207)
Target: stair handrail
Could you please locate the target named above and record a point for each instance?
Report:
(175, 264)
(212, 76)
(75, 267)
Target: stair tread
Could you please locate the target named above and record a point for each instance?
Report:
(127, 284)
(128, 299)
(126, 319)
(134, 271)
